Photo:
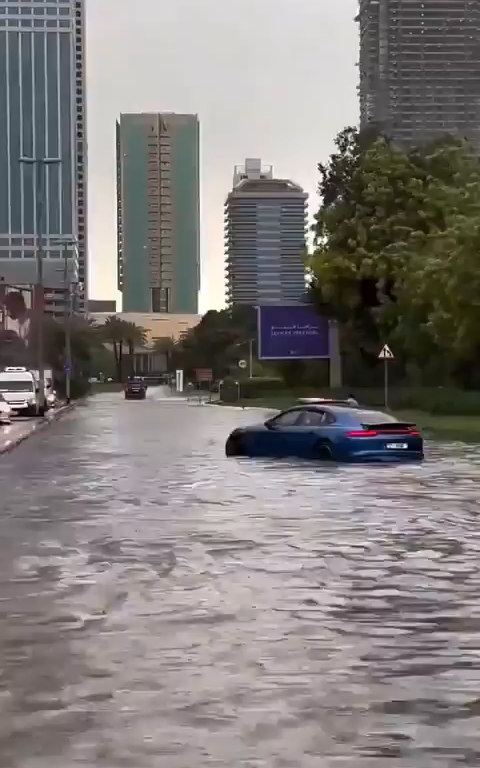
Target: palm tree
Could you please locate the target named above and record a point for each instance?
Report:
(114, 332)
(135, 336)
(165, 346)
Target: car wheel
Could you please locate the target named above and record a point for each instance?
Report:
(233, 447)
(322, 451)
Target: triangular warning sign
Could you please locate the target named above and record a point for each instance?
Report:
(386, 353)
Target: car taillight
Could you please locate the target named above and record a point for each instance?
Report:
(362, 433)
(376, 433)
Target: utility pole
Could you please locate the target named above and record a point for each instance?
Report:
(68, 327)
(67, 243)
(39, 165)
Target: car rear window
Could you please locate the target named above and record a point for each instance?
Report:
(375, 417)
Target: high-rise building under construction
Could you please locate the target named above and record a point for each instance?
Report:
(420, 68)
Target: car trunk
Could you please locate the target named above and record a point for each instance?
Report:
(392, 428)
(394, 437)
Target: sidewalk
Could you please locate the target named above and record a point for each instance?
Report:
(21, 429)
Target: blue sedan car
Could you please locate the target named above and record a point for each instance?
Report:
(329, 432)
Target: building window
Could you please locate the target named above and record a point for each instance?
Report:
(156, 299)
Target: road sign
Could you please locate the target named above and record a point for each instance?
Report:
(204, 374)
(67, 368)
(386, 353)
(242, 363)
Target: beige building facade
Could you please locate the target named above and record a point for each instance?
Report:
(156, 326)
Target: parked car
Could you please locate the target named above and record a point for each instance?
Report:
(52, 399)
(329, 432)
(6, 411)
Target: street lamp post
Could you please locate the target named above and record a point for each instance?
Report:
(67, 243)
(250, 343)
(39, 165)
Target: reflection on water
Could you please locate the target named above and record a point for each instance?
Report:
(164, 607)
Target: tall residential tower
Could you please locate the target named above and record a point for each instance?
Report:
(420, 68)
(158, 212)
(42, 115)
(265, 228)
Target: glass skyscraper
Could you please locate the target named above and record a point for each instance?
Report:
(42, 116)
(158, 212)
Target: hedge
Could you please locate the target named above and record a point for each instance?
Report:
(443, 401)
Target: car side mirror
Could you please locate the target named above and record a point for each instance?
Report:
(269, 424)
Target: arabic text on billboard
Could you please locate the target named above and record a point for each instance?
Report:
(292, 333)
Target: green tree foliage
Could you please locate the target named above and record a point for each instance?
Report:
(217, 342)
(89, 346)
(165, 345)
(120, 334)
(87, 349)
(396, 243)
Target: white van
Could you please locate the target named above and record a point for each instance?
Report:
(20, 390)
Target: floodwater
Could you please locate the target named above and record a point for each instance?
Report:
(162, 606)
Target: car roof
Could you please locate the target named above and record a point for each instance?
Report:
(323, 401)
(334, 407)
(331, 405)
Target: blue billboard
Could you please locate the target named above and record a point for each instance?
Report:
(292, 333)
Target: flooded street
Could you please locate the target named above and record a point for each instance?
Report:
(162, 606)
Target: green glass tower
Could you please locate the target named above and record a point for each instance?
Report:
(158, 212)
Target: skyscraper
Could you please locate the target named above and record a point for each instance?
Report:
(420, 68)
(265, 227)
(42, 108)
(158, 212)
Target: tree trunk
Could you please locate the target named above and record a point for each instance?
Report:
(120, 363)
(131, 348)
(118, 366)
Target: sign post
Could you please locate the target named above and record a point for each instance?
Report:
(386, 355)
(179, 380)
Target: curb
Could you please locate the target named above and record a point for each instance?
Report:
(38, 427)
(244, 407)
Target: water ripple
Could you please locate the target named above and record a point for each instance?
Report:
(164, 607)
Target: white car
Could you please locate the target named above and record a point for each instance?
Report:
(5, 411)
(52, 399)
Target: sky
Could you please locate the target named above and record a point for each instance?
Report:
(274, 79)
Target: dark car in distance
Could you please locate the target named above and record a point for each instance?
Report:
(329, 431)
(135, 389)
